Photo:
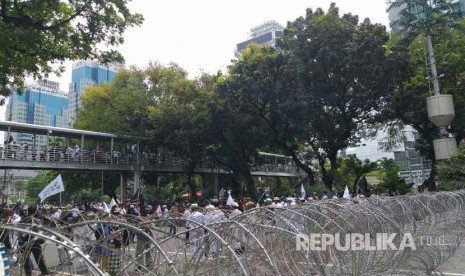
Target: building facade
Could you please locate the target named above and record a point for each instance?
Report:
(264, 34)
(394, 13)
(84, 75)
(41, 103)
(413, 167)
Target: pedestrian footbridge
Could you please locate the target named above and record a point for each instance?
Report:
(96, 151)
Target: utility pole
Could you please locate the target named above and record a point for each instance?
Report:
(440, 111)
(440, 107)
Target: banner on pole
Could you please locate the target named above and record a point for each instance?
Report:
(55, 187)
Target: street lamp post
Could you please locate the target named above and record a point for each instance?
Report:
(440, 111)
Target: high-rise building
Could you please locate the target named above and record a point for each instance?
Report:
(85, 74)
(41, 103)
(394, 13)
(264, 34)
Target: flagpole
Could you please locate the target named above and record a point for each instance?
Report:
(60, 200)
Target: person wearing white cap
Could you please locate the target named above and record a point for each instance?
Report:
(238, 232)
(212, 217)
(275, 202)
(196, 220)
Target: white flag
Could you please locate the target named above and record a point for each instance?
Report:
(112, 203)
(230, 199)
(221, 192)
(159, 210)
(303, 194)
(346, 193)
(55, 187)
(106, 209)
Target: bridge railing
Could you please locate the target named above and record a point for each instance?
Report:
(99, 156)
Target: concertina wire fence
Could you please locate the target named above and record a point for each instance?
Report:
(260, 241)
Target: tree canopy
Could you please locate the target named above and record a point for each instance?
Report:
(35, 34)
(331, 77)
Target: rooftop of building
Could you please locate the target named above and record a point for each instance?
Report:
(265, 27)
(112, 66)
(47, 86)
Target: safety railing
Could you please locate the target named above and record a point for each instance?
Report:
(99, 156)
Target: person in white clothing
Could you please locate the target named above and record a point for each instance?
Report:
(196, 231)
(238, 232)
(325, 196)
(165, 212)
(212, 217)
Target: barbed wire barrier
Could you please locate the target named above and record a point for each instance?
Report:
(262, 241)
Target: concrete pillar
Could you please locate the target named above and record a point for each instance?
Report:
(217, 181)
(122, 185)
(137, 179)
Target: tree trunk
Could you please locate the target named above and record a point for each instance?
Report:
(328, 177)
(325, 176)
(305, 168)
(191, 186)
(251, 188)
(189, 169)
(430, 183)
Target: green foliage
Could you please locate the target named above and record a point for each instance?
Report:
(318, 189)
(439, 19)
(390, 181)
(57, 142)
(343, 72)
(158, 103)
(451, 173)
(336, 77)
(37, 33)
(350, 171)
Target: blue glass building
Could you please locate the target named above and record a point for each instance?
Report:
(41, 103)
(85, 74)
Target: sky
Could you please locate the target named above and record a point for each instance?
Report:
(201, 35)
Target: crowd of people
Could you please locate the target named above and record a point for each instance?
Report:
(104, 241)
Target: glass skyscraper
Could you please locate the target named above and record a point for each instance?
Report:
(85, 74)
(41, 103)
(394, 13)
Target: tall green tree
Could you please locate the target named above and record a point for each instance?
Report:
(182, 121)
(158, 105)
(35, 34)
(262, 81)
(120, 107)
(345, 76)
(237, 135)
